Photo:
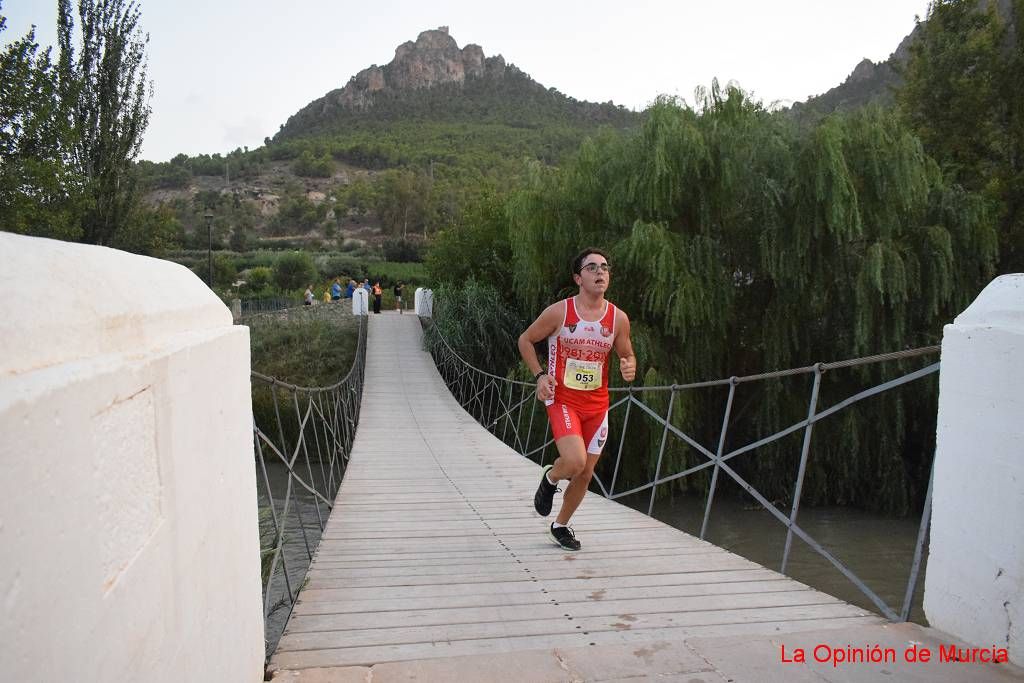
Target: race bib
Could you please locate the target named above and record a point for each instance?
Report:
(582, 375)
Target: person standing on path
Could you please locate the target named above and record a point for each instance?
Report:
(377, 294)
(336, 290)
(580, 332)
(398, 297)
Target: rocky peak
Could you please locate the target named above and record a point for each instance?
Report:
(432, 59)
(863, 71)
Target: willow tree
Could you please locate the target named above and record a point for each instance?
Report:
(741, 244)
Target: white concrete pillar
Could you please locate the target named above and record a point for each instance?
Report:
(424, 302)
(128, 518)
(974, 587)
(360, 302)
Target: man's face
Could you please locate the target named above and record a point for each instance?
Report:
(595, 274)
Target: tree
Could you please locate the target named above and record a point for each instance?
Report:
(224, 271)
(403, 198)
(150, 231)
(239, 240)
(951, 94)
(294, 270)
(297, 213)
(106, 89)
(358, 196)
(40, 190)
(477, 247)
(962, 97)
(313, 167)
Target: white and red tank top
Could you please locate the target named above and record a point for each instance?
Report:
(578, 359)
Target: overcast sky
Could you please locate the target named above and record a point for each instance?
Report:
(228, 73)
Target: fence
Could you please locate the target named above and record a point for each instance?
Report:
(302, 446)
(500, 404)
(267, 305)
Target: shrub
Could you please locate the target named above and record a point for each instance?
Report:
(224, 270)
(294, 270)
(330, 266)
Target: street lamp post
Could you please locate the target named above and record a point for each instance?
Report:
(209, 248)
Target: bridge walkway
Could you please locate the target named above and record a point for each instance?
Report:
(434, 551)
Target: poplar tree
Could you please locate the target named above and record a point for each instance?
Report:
(39, 188)
(105, 84)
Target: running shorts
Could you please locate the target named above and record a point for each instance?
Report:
(591, 427)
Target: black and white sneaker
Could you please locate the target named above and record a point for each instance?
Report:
(545, 494)
(564, 537)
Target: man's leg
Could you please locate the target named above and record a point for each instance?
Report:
(577, 488)
(571, 460)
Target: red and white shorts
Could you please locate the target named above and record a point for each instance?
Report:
(591, 427)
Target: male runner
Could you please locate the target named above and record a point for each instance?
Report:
(580, 331)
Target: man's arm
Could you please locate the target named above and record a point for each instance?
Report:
(624, 346)
(543, 327)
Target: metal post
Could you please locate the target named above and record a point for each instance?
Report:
(209, 249)
(508, 412)
(661, 451)
(811, 410)
(622, 440)
(922, 531)
(305, 450)
(718, 456)
(529, 430)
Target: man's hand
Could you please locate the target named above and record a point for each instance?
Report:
(546, 387)
(627, 366)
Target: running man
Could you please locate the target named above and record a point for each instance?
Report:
(580, 332)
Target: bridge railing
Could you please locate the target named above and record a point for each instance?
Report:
(302, 440)
(508, 409)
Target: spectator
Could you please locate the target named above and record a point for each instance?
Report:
(398, 297)
(377, 294)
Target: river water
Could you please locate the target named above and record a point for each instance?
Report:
(879, 549)
(301, 537)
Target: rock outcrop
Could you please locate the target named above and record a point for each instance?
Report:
(433, 59)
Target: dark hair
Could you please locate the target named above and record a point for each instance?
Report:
(577, 263)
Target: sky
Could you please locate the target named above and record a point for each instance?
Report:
(228, 73)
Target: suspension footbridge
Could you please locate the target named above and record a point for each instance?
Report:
(434, 563)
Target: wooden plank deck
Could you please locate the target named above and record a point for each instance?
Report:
(434, 549)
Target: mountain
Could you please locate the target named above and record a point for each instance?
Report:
(432, 79)
(400, 149)
(872, 83)
(869, 83)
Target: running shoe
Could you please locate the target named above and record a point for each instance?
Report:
(563, 536)
(545, 494)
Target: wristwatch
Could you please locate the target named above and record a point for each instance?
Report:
(539, 375)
